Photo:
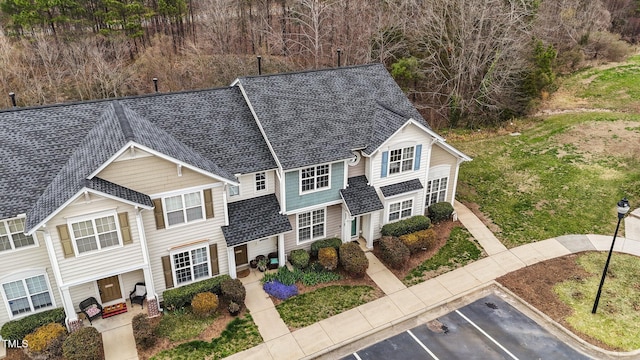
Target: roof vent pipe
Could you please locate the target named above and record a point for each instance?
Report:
(155, 84)
(339, 51)
(12, 95)
(259, 65)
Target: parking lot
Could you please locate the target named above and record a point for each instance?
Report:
(488, 328)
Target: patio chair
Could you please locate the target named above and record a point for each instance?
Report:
(91, 308)
(273, 261)
(138, 294)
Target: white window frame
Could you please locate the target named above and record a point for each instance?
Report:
(311, 225)
(400, 210)
(315, 179)
(402, 159)
(23, 276)
(437, 173)
(189, 250)
(440, 192)
(5, 225)
(184, 208)
(233, 190)
(260, 182)
(93, 218)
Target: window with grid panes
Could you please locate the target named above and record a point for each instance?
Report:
(401, 160)
(95, 234)
(12, 235)
(191, 265)
(184, 208)
(261, 181)
(27, 295)
(400, 210)
(314, 178)
(311, 225)
(437, 190)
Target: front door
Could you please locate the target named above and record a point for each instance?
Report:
(109, 289)
(354, 227)
(242, 258)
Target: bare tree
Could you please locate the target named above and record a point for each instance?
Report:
(310, 18)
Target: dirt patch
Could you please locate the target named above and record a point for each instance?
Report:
(534, 284)
(612, 138)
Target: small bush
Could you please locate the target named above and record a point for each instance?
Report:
(353, 259)
(180, 297)
(233, 290)
(84, 344)
(54, 349)
(393, 252)
(204, 304)
(330, 242)
(143, 332)
(419, 240)
(299, 258)
(440, 211)
(40, 339)
(403, 227)
(279, 290)
(328, 258)
(18, 329)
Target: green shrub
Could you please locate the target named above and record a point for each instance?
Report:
(205, 303)
(330, 242)
(393, 252)
(419, 240)
(143, 331)
(403, 227)
(18, 329)
(328, 258)
(233, 291)
(353, 259)
(299, 258)
(440, 211)
(40, 339)
(180, 297)
(84, 344)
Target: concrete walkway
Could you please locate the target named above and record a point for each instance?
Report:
(400, 303)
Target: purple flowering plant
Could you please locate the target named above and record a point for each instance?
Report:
(279, 290)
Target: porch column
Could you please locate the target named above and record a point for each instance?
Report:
(369, 230)
(73, 323)
(231, 256)
(346, 225)
(148, 283)
(281, 253)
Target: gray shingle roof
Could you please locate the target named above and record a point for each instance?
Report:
(109, 188)
(317, 117)
(401, 188)
(253, 219)
(194, 127)
(360, 197)
(385, 123)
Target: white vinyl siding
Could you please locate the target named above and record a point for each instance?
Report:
(183, 208)
(96, 233)
(28, 295)
(401, 160)
(311, 225)
(191, 264)
(12, 235)
(315, 178)
(400, 210)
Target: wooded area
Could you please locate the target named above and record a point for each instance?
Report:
(463, 62)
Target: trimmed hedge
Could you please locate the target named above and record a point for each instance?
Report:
(393, 252)
(440, 211)
(330, 242)
(232, 290)
(180, 297)
(143, 332)
(407, 226)
(18, 329)
(419, 240)
(84, 344)
(299, 258)
(328, 258)
(41, 339)
(353, 259)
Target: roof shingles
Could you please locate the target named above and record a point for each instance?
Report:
(360, 197)
(401, 188)
(254, 219)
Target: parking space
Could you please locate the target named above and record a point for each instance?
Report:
(488, 328)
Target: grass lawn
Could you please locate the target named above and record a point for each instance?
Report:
(306, 309)
(617, 320)
(183, 325)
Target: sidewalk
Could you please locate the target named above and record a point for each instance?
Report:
(401, 303)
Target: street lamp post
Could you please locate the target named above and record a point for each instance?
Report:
(623, 208)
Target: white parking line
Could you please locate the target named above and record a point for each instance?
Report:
(357, 357)
(423, 345)
(487, 335)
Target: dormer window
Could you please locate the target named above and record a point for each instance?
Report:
(315, 178)
(12, 235)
